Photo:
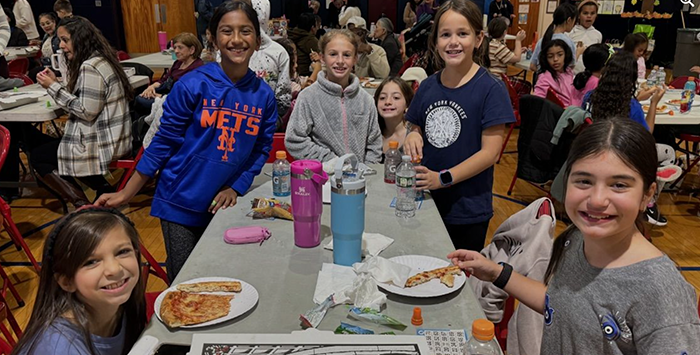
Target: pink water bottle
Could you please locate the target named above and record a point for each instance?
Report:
(307, 182)
(163, 40)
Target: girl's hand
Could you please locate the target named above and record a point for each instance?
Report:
(316, 57)
(45, 78)
(659, 92)
(225, 198)
(695, 69)
(520, 36)
(413, 145)
(317, 66)
(112, 200)
(645, 93)
(149, 93)
(427, 179)
(476, 264)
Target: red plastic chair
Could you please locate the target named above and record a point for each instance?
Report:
(554, 97)
(121, 55)
(19, 65)
(7, 222)
(129, 165)
(515, 102)
(8, 344)
(680, 81)
(24, 77)
(278, 144)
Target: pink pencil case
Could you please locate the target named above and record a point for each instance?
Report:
(246, 235)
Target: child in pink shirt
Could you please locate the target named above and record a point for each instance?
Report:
(555, 59)
(637, 43)
(594, 59)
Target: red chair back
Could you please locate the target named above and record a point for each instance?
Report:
(26, 79)
(19, 65)
(554, 97)
(680, 81)
(4, 144)
(121, 55)
(278, 144)
(514, 99)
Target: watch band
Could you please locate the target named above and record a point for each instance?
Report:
(502, 279)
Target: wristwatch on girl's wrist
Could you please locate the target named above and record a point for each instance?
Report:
(445, 178)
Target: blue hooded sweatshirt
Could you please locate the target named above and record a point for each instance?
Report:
(213, 133)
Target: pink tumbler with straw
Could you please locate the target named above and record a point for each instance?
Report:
(163, 40)
(307, 182)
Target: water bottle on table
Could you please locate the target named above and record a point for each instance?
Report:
(347, 211)
(281, 175)
(651, 79)
(307, 182)
(661, 77)
(406, 188)
(688, 95)
(392, 159)
(481, 342)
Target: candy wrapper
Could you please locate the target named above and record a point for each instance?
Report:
(312, 318)
(269, 207)
(345, 328)
(372, 316)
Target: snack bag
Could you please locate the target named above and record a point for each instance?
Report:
(270, 207)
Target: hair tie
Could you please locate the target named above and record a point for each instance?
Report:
(611, 51)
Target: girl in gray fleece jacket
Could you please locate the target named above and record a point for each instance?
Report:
(334, 116)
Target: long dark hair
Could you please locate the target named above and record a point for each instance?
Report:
(633, 40)
(630, 142)
(406, 91)
(594, 58)
(544, 63)
(616, 87)
(88, 41)
(71, 242)
(473, 15)
(563, 13)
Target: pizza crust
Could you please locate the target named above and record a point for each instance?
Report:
(445, 274)
(211, 286)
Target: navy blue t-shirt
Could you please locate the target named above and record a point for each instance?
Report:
(452, 121)
(636, 112)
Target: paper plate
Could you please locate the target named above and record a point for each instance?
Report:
(241, 303)
(432, 288)
(677, 103)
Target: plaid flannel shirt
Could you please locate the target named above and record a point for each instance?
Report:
(99, 125)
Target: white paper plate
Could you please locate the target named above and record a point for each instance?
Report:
(241, 303)
(658, 111)
(432, 288)
(677, 104)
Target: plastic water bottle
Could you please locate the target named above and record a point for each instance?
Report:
(281, 185)
(392, 159)
(688, 95)
(481, 342)
(651, 79)
(661, 77)
(406, 188)
(372, 27)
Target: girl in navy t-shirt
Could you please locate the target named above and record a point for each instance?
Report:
(459, 116)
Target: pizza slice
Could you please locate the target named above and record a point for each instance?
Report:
(439, 273)
(211, 286)
(183, 308)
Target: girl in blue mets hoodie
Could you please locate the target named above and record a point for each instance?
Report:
(215, 136)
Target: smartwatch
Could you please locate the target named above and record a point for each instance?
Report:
(445, 178)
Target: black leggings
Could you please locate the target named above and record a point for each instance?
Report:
(468, 236)
(180, 240)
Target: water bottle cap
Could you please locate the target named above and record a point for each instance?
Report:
(482, 330)
(281, 154)
(406, 158)
(690, 79)
(393, 144)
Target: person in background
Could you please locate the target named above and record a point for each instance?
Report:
(333, 13)
(409, 13)
(63, 9)
(563, 21)
(459, 116)
(384, 32)
(584, 32)
(50, 42)
(96, 97)
(372, 61)
(414, 76)
(203, 11)
(502, 9)
(25, 20)
(555, 72)
(350, 9)
(427, 7)
(205, 163)
(320, 31)
(17, 37)
(499, 55)
(303, 36)
(10, 170)
(594, 58)
(637, 43)
(187, 49)
(314, 6)
(335, 116)
(298, 82)
(392, 98)
(293, 9)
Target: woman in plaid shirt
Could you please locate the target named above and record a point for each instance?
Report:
(96, 96)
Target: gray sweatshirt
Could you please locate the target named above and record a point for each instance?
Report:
(328, 122)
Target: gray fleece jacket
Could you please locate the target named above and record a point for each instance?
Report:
(328, 122)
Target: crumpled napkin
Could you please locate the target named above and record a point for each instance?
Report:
(384, 270)
(333, 279)
(372, 243)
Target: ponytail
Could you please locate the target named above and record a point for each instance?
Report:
(581, 79)
(484, 52)
(594, 58)
(561, 15)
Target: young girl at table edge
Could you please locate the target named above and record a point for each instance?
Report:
(594, 59)
(459, 116)
(563, 21)
(555, 72)
(335, 116)
(91, 299)
(393, 97)
(607, 289)
(215, 136)
(637, 44)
